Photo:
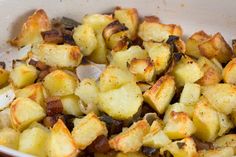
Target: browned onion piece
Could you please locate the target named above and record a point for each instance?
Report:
(49, 121)
(52, 36)
(100, 144)
(2, 65)
(200, 145)
(53, 106)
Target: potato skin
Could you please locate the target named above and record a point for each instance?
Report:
(229, 72)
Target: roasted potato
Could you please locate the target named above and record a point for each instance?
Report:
(60, 83)
(205, 120)
(194, 41)
(60, 142)
(182, 148)
(85, 38)
(216, 47)
(136, 154)
(190, 94)
(186, 71)
(33, 141)
(142, 69)
(159, 53)
(9, 138)
(121, 103)
(4, 75)
(70, 105)
(151, 29)
(225, 124)
(229, 72)
(219, 152)
(221, 96)
(130, 140)
(5, 121)
(58, 55)
(23, 75)
(228, 140)
(161, 93)
(32, 28)
(129, 17)
(24, 111)
(87, 129)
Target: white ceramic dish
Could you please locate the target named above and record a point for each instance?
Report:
(193, 15)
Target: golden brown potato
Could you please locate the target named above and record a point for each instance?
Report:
(228, 140)
(142, 69)
(218, 152)
(161, 93)
(135, 154)
(24, 111)
(58, 55)
(5, 121)
(194, 41)
(9, 138)
(216, 47)
(221, 96)
(186, 71)
(32, 28)
(70, 105)
(233, 116)
(129, 17)
(87, 129)
(35, 92)
(205, 120)
(179, 125)
(182, 148)
(190, 94)
(60, 83)
(160, 55)
(153, 30)
(23, 75)
(212, 72)
(130, 140)
(4, 75)
(225, 124)
(61, 143)
(229, 72)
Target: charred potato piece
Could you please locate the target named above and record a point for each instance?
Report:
(70, 105)
(216, 47)
(218, 152)
(4, 75)
(160, 54)
(225, 124)
(221, 96)
(87, 130)
(229, 72)
(190, 94)
(194, 41)
(58, 55)
(60, 142)
(212, 72)
(9, 138)
(130, 140)
(205, 120)
(23, 75)
(24, 111)
(228, 140)
(32, 28)
(161, 93)
(60, 83)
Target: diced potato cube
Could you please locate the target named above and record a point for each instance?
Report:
(221, 96)
(33, 141)
(143, 69)
(225, 124)
(7, 95)
(154, 30)
(5, 121)
(130, 140)
(229, 72)
(212, 72)
(129, 17)
(219, 152)
(121, 103)
(109, 154)
(35, 92)
(193, 43)
(216, 47)
(205, 120)
(61, 143)
(4, 75)
(114, 77)
(85, 38)
(9, 138)
(24, 111)
(161, 93)
(186, 71)
(23, 75)
(182, 148)
(87, 91)
(228, 140)
(71, 105)
(190, 94)
(135, 154)
(160, 55)
(87, 130)
(32, 28)
(179, 126)
(122, 58)
(156, 139)
(60, 83)
(58, 55)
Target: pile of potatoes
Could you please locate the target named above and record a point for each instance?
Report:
(188, 86)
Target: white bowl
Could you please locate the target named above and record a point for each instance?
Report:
(193, 15)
